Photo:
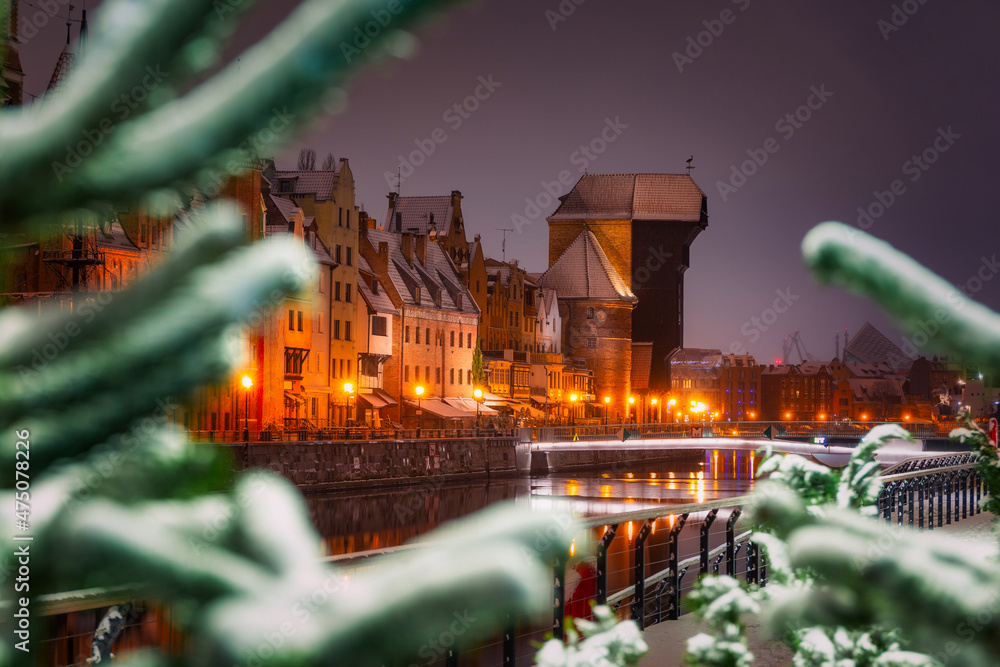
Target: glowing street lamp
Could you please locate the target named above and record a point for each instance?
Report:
(607, 401)
(572, 407)
(247, 383)
(419, 391)
(652, 403)
(349, 391)
(477, 394)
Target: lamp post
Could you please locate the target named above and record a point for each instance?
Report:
(607, 401)
(477, 394)
(652, 403)
(419, 391)
(247, 383)
(631, 406)
(349, 391)
(572, 408)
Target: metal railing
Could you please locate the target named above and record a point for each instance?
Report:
(347, 434)
(744, 429)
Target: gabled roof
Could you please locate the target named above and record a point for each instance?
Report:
(285, 207)
(380, 301)
(583, 271)
(632, 197)
(437, 276)
(416, 214)
(65, 63)
(319, 182)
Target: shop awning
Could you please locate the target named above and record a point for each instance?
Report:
(495, 401)
(377, 399)
(469, 406)
(534, 412)
(295, 397)
(438, 407)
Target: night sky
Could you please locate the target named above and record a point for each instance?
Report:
(888, 92)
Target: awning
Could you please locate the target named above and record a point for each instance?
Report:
(469, 405)
(534, 412)
(295, 397)
(495, 401)
(378, 399)
(438, 407)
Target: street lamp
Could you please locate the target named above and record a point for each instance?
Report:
(247, 383)
(631, 406)
(419, 391)
(572, 408)
(477, 394)
(652, 403)
(349, 390)
(607, 401)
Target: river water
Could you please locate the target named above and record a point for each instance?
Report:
(352, 521)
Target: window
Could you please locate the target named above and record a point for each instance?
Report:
(333, 368)
(437, 375)
(590, 313)
(469, 338)
(453, 339)
(341, 368)
(460, 376)
(291, 320)
(319, 322)
(378, 325)
(416, 373)
(406, 374)
(418, 335)
(315, 406)
(460, 339)
(336, 291)
(347, 290)
(348, 366)
(336, 329)
(348, 226)
(340, 217)
(407, 336)
(592, 343)
(350, 250)
(468, 376)
(300, 320)
(427, 373)
(215, 420)
(347, 331)
(427, 338)
(451, 376)
(321, 283)
(336, 254)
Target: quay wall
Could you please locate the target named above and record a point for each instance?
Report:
(318, 465)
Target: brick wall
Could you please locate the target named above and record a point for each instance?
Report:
(318, 465)
(611, 359)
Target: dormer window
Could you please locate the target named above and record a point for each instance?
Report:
(374, 286)
(284, 186)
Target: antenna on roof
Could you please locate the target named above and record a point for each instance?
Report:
(689, 165)
(399, 181)
(503, 246)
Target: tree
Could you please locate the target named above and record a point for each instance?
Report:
(307, 159)
(329, 163)
(478, 372)
(884, 392)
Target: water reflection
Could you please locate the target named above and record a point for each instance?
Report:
(378, 518)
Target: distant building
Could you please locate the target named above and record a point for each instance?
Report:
(871, 346)
(375, 346)
(695, 377)
(802, 392)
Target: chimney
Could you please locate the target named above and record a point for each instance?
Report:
(363, 226)
(422, 248)
(399, 223)
(477, 238)
(407, 247)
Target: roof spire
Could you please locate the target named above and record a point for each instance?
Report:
(83, 33)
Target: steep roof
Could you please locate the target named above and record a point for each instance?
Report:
(285, 207)
(379, 301)
(632, 197)
(416, 213)
(438, 275)
(318, 182)
(114, 236)
(583, 271)
(870, 346)
(65, 63)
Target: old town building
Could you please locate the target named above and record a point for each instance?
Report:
(645, 225)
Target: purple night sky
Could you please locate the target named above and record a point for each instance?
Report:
(887, 91)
